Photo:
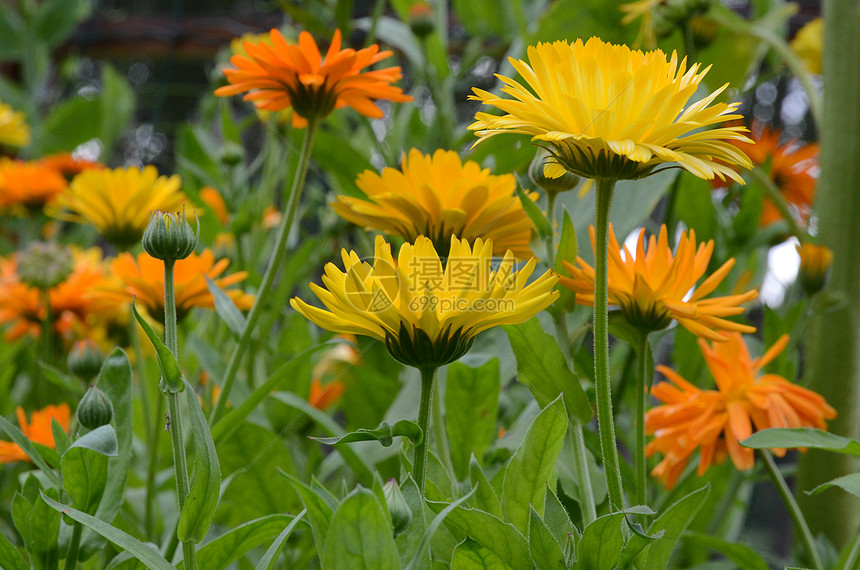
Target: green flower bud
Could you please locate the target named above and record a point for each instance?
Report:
(44, 265)
(421, 19)
(232, 154)
(95, 409)
(398, 508)
(85, 359)
(568, 181)
(169, 236)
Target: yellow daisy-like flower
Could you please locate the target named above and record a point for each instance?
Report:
(437, 196)
(808, 44)
(118, 201)
(605, 111)
(427, 316)
(651, 287)
(14, 130)
(642, 9)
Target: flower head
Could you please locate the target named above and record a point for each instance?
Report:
(118, 201)
(28, 186)
(276, 75)
(327, 384)
(142, 278)
(651, 287)
(14, 130)
(427, 316)
(717, 420)
(815, 261)
(67, 165)
(437, 196)
(37, 430)
(808, 44)
(606, 111)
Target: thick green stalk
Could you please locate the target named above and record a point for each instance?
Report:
(74, 547)
(419, 461)
(642, 383)
(603, 386)
(834, 337)
(180, 461)
(271, 271)
(793, 508)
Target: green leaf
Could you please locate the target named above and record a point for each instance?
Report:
(102, 440)
(741, 554)
(202, 499)
(849, 483)
(433, 527)
(534, 213)
(567, 245)
(533, 465)
(9, 556)
(542, 368)
(802, 437)
(143, 552)
(84, 477)
(500, 537)
(61, 379)
(556, 518)
(171, 375)
(545, 550)
(601, 543)
(117, 106)
(471, 408)
(319, 511)
(673, 522)
(486, 498)
(233, 545)
(226, 308)
(470, 555)
(267, 562)
(17, 436)
(384, 434)
(360, 535)
(62, 441)
(55, 20)
(409, 541)
(694, 205)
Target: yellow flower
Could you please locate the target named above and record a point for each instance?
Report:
(608, 112)
(14, 130)
(437, 196)
(427, 316)
(118, 201)
(815, 261)
(808, 44)
(652, 288)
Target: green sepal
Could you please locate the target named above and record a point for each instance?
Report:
(171, 375)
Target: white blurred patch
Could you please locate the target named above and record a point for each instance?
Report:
(783, 263)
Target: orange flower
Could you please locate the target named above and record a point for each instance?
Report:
(327, 387)
(212, 198)
(793, 166)
(38, 430)
(142, 278)
(717, 420)
(76, 304)
(68, 165)
(277, 76)
(651, 288)
(28, 185)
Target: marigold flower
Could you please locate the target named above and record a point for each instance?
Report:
(437, 196)
(327, 385)
(67, 165)
(142, 279)
(14, 130)
(651, 288)
(808, 44)
(118, 201)
(76, 303)
(28, 186)
(606, 111)
(277, 75)
(717, 420)
(427, 316)
(212, 198)
(37, 430)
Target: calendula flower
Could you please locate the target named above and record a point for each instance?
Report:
(14, 130)
(327, 382)
(438, 196)
(427, 316)
(212, 198)
(118, 201)
(793, 166)
(28, 186)
(651, 287)
(276, 75)
(37, 430)
(717, 420)
(815, 261)
(142, 279)
(67, 165)
(808, 44)
(76, 304)
(608, 112)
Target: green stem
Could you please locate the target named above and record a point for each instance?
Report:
(419, 461)
(853, 555)
(442, 446)
(271, 271)
(74, 547)
(152, 466)
(47, 327)
(154, 432)
(689, 41)
(180, 461)
(603, 387)
(777, 199)
(793, 508)
(642, 383)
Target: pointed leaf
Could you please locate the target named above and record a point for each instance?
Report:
(267, 562)
(802, 437)
(102, 440)
(411, 539)
(567, 246)
(471, 408)
(434, 526)
(849, 483)
(17, 436)
(171, 375)
(84, 477)
(534, 213)
(9, 556)
(557, 518)
(62, 441)
(674, 521)
(486, 498)
(360, 536)
(469, 555)
(319, 512)
(226, 308)
(545, 550)
(741, 554)
(234, 544)
(601, 543)
(384, 434)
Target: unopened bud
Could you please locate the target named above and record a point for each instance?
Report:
(421, 19)
(815, 263)
(44, 265)
(398, 508)
(565, 182)
(169, 236)
(85, 359)
(95, 409)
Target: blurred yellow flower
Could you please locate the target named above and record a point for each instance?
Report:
(651, 288)
(118, 201)
(38, 430)
(426, 315)
(808, 44)
(439, 196)
(14, 130)
(608, 112)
